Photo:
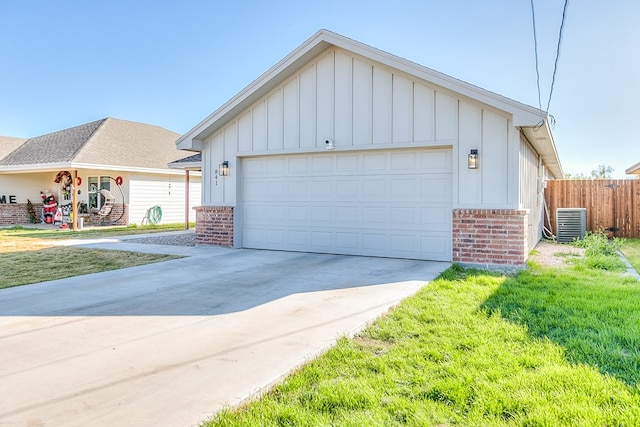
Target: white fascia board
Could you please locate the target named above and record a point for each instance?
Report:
(541, 138)
(35, 168)
(194, 138)
(126, 169)
(48, 167)
(523, 115)
(191, 166)
(633, 170)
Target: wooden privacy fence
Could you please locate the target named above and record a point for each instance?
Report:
(613, 205)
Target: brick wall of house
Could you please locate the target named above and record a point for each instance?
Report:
(16, 213)
(119, 216)
(214, 225)
(490, 236)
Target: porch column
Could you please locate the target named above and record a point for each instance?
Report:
(74, 201)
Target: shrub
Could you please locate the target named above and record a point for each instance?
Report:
(601, 252)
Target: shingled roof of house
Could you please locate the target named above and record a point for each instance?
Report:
(9, 143)
(192, 162)
(104, 143)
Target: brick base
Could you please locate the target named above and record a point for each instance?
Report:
(490, 237)
(118, 216)
(12, 214)
(214, 225)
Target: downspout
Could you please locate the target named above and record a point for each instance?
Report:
(186, 199)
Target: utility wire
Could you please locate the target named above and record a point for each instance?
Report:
(555, 66)
(535, 48)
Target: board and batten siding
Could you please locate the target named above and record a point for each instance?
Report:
(361, 105)
(168, 192)
(531, 197)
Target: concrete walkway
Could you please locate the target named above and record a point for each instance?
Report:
(171, 343)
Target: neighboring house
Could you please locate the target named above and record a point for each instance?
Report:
(634, 170)
(102, 154)
(343, 148)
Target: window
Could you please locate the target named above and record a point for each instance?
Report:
(97, 183)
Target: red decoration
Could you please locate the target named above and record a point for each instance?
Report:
(78, 181)
(119, 180)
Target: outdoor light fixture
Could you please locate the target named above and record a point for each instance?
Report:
(473, 159)
(223, 168)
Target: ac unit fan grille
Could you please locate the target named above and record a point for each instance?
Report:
(571, 224)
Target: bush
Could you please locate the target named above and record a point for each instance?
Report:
(601, 252)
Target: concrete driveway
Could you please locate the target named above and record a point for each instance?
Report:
(169, 344)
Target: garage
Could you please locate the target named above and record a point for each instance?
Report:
(343, 148)
(389, 203)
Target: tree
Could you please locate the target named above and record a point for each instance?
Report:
(575, 176)
(602, 172)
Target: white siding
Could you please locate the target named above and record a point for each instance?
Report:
(168, 192)
(531, 190)
(361, 104)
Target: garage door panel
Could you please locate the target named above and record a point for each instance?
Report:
(436, 161)
(436, 189)
(321, 164)
(435, 219)
(370, 203)
(374, 162)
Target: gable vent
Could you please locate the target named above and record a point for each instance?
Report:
(571, 224)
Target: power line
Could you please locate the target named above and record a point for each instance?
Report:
(535, 48)
(555, 65)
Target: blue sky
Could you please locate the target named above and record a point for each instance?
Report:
(172, 63)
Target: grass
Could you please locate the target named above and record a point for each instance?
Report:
(29, 255)
(27, 267)
(88, 233)
(631, 250)
(601, 252)
(546, 347)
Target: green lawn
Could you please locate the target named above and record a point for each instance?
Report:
(28, 256)
(631, 251)
(88, 233)
(27, 267)
(547, 347)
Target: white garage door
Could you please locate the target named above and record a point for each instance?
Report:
(394, 203)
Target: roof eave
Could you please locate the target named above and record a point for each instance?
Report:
(190, 166)
(523, 115)
(633, 170)
(541, 138)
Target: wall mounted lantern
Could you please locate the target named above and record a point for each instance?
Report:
(473, 159)
(223, 168)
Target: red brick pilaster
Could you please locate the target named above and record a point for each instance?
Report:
(214, 225)
(490, 236)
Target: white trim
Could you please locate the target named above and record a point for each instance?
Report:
(633, 170)
(523, 115)
(49, 167)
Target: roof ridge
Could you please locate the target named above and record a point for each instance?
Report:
(81, 146)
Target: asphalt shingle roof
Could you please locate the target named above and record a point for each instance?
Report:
(8, 144)
(107, 142)
(54, 147)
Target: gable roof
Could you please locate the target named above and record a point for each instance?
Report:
(188, 163)
(527, 117)
(109, 143)
(633, 170)
(8, 144)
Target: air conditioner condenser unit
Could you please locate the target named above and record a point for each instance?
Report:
(571, 224)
